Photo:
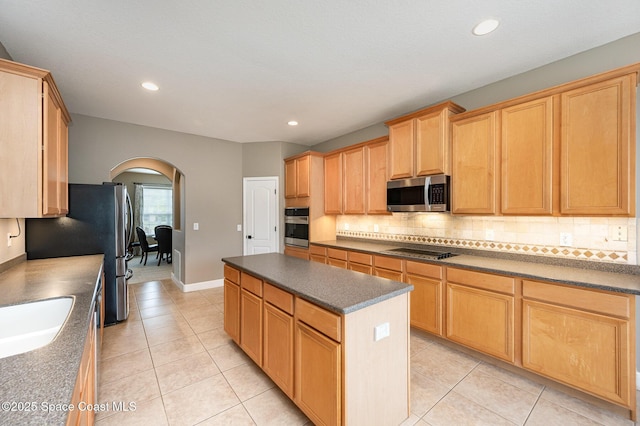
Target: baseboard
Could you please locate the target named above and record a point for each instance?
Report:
(197, 286)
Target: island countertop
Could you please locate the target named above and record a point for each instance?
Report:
(36, 384)
(337, 290)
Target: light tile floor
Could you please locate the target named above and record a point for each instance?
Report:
(173, 359)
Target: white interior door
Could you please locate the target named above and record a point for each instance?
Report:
(261, 233)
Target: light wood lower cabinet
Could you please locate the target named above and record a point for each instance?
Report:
(337, 257)
(426, 297)
(300, 253)
(361, 262)
(388, 267)
(317, 253)
(582, 338)
(318, 376)
(251, 316)
(232, 303)
(85, 387)
(481, 312)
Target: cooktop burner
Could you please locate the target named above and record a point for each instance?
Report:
(424, 254)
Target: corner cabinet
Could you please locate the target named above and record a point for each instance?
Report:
(34, 146)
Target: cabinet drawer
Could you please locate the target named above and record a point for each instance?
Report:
(589, 300)
(365, 269)
(337, 254)
(385, 262)
(362, 258)
(317, 250)
(491, 282)
(278, 298)
(322, 320)
(424, 269)
(231, 274)
(251, 283)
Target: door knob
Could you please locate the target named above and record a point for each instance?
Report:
(248, 237)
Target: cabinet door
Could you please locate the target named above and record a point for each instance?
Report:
(597, 149)
(582, 349)
(482, 320)
(251, 325)
(474, 151)
(426, 303)
(290, 179)
(278, 347)
(354, 182)
(318, 377)
(333, 183)
(297, 252)
(303, 176)
(52, 114)
(63, 169)
(527, 158)
(401, 142)
(376, 175)
(432, 144)
(232, 310)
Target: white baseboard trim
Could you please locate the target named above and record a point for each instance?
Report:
(185, 288)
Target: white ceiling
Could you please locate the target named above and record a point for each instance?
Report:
(239, 69)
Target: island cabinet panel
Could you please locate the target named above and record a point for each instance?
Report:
(232, 310)
(474, 160)
(591, 350)
(318, 376)
(597, 170)
(278, 346)
(427, 297)
(527, 157)
(251, 325)
(481, 312)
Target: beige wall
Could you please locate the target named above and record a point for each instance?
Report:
(212, 182)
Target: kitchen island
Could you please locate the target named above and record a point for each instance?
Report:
(335, 341)
(37, 387)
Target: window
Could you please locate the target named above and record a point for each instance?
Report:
(157, 207)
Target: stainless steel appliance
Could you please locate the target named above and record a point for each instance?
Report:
(99, 222)
(422, 194)
(296, 226)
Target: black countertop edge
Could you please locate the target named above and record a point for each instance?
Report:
(531, 258)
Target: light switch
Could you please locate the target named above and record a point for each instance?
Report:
(239, 228)
(196, 226)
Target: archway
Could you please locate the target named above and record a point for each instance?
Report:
(175, 176)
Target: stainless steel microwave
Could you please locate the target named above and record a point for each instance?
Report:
(422, 194)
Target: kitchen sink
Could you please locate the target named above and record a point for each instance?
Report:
(32, 325)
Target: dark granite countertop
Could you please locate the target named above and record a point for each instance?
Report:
(47, 375)
(600, 275)
(338, 290)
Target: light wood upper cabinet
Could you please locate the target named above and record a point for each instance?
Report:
(354, 181)
(376, 176)
(419, 142)
(333, 183)
(527, 157)
(296, 177)
(598, 148)
(33, 182)
(474, 180)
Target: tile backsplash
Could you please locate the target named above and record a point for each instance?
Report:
(584, 238)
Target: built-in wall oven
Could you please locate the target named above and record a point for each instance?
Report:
(296, 226)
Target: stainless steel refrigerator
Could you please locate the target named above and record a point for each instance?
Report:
(99, 222)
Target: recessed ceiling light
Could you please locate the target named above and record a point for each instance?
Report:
(485, 27)
(150, 86)
(292, 123)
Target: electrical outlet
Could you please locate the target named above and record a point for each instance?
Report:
(381, 331)
(619, 233)
(346, 226)
(9, 239)
(566, 239)
(376, 228)
(489, 235)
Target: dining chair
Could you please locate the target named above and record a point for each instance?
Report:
(164, 239)
(144, 244)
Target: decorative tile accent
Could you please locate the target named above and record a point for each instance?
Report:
(620, 257)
